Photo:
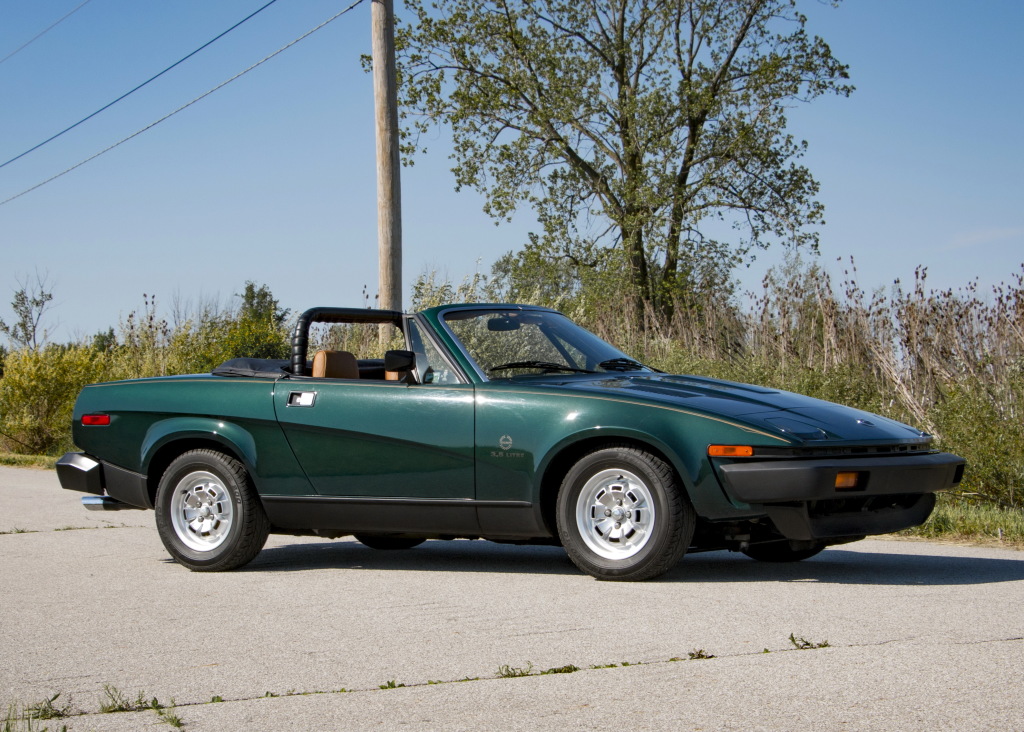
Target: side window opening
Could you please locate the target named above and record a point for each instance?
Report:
(442, 372)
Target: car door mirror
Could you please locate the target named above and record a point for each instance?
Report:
(401, 361)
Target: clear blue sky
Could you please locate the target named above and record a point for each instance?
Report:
(272, 178)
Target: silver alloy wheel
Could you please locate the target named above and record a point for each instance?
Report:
(201, 511)
(615, 514)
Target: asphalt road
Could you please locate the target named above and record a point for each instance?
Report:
(920, 636)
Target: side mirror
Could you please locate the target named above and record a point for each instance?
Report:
(400, 361)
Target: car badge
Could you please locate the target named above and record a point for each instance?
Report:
(505, 442)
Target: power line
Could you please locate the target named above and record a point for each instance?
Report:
(42, 33)
(185, 106)
(153, 78)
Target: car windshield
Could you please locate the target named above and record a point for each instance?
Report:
(508, 343)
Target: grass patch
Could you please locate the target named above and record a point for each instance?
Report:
(27, 461)
(957, 519)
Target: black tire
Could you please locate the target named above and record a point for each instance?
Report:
(208, 514)
(388, 543)
(623, 515)
(783, 551)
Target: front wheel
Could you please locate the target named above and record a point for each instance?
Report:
(622, 515)
(208, 514)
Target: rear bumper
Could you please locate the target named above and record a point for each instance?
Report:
(80, 472)
(116, 487)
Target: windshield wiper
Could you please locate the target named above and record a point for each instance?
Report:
(545, 365)
(621, 364)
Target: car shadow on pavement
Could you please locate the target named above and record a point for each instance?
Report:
(845, 567)
(833, 566)
(431, 556)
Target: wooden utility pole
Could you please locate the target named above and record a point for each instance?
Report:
(389, 189)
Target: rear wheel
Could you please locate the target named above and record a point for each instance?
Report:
(387, 543)
(622, 515)
(208, 514)
(784, 551)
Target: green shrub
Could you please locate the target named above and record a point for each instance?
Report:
(37, 396)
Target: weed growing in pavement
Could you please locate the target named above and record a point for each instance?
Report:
(118, 701)
(168, 716)
(512, 672)
(803, 644)
(391, 685)
(570, 669)
(216, 699)
(28, 718)
(699, 655)
(46, 709)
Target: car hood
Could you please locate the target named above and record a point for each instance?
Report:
(794, 416)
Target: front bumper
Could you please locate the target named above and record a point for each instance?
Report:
(802, 500)
(775, 481)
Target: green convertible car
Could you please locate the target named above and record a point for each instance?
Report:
(501, 422)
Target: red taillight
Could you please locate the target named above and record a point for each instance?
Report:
(95, 420)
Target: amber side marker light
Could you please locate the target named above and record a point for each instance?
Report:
(95, 420)
(730, 451)
(847, 481)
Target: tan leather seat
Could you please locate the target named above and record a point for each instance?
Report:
(335, 365)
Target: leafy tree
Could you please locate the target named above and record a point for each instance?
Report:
(258, 303)
(258, 329)
(638, 130)
(104, 341)
(30, 303)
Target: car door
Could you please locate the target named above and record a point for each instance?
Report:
(379, 439)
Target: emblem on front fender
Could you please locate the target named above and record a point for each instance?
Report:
(505, 442)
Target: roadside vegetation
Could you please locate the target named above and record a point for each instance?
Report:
(949, 361)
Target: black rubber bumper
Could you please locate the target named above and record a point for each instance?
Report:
(78, 471)
(777, 481)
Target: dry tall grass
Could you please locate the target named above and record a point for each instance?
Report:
(949, 361)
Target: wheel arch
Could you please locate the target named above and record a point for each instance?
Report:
(166, 441)
(561, 459)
